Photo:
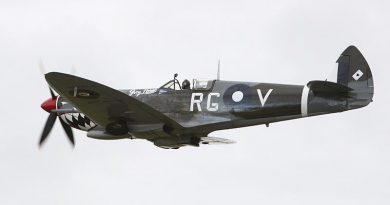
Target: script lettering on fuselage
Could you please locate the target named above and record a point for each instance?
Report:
(197, 99)
(141, 92)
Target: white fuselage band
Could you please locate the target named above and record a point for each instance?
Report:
(304, 100)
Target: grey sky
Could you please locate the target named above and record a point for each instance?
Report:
(332, 159)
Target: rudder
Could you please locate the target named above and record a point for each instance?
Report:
(354, 72)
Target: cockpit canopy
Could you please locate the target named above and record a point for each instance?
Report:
(171, 85)
(202, 84)
(196, 85)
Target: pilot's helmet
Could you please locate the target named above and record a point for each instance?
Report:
(186, 84)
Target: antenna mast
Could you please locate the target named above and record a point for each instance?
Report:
(219, 66)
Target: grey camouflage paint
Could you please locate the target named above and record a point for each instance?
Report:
(229, 104)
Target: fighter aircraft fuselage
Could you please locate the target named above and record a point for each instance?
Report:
(173, 116)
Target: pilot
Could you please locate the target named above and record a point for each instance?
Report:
(185, 85)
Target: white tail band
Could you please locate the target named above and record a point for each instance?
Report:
(304, 100)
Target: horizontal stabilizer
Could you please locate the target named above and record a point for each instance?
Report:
(327, 87)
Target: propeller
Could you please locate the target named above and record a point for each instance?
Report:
(49, 105)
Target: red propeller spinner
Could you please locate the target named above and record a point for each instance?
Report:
(49, 104)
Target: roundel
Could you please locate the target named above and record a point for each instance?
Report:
(237, 94)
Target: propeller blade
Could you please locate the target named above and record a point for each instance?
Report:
(43, 71)
(68, 131)
(48, 126)
(41, 67)
(73, 70)
(53, 96)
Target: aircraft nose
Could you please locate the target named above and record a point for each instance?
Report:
(49, 104)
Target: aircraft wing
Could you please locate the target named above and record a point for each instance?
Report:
(108, 107)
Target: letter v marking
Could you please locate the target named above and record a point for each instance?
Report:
(263, 100)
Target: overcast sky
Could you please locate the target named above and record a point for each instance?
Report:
(333, 159)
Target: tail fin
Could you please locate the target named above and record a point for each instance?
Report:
(352, 86)
(353, 72)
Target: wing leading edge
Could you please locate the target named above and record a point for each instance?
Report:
(108, 107)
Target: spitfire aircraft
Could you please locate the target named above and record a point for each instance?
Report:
(176, 115)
